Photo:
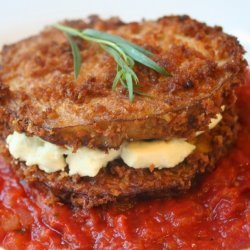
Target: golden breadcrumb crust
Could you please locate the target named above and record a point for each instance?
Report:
(41, 96)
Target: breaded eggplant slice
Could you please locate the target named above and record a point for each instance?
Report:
(117, 181)
(44, 99)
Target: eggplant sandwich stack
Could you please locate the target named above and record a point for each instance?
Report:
(95, 111)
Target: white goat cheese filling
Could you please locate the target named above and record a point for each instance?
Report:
(87, 162)
(160, 154)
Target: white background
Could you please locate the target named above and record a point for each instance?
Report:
(21, 18)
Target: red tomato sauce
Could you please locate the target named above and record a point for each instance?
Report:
(214, 215)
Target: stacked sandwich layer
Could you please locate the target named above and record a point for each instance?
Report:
(90, 145)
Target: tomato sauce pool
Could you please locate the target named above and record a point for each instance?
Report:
(214, 215)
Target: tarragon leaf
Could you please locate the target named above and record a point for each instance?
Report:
(76, 55)
(115, 39)
(141, 58)
(124, 52)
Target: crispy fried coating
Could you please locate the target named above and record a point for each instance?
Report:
(42, 97)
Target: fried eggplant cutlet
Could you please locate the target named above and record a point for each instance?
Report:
(89, 144)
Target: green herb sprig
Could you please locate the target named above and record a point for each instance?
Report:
(124, 53)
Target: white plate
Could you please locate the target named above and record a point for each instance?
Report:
(21, 18)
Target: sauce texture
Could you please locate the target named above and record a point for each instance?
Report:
(214, 215)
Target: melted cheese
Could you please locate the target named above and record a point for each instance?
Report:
(35, 151)
(160, 154)
(214, 121)
(88, 162)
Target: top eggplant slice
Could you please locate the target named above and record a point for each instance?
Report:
(40, 95)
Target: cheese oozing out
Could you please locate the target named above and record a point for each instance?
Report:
(214, 121)
(87, 162)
